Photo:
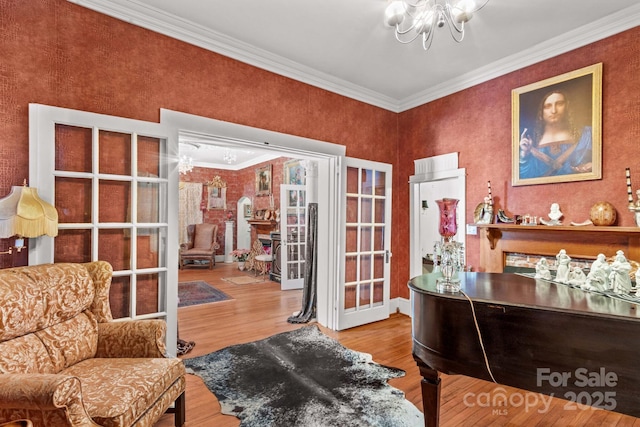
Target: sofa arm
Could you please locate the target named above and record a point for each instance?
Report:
(132, 338)
(53, 398)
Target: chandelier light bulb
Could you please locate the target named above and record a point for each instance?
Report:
(462, 11)
(394, 13)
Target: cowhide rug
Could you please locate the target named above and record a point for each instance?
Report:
(304, 378)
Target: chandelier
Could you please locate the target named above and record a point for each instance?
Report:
(186, 164)
(228, 156)
(419, 18)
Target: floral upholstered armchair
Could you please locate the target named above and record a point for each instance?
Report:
(65, 362)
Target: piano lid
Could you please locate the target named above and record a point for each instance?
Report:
(517, 290)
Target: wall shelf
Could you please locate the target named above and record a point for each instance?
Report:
(497, 240)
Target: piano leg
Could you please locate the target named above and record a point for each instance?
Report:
(430, 394)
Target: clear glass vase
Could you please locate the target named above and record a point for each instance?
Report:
(448, 254)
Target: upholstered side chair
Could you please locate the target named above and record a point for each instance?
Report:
(202, 245)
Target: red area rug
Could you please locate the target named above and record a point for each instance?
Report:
(199, 292)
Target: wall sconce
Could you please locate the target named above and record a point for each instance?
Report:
(24, 214)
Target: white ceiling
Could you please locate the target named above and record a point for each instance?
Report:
(343, 45)
(209, 152)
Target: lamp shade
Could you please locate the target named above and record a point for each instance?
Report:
(24, 213)
(8, 209)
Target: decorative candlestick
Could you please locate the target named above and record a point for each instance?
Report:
(633, 207)
(629, 191)
(448, 254)
(486, 215)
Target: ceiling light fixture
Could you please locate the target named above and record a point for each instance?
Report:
(411, 20)
(229, 156)
(186, 164)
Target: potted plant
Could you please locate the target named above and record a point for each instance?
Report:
(241, 256)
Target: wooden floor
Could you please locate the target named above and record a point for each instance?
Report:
(260, 310)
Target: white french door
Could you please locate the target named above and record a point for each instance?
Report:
(293, 229)
(364, 293)
(112, 182)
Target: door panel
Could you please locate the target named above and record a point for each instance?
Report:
(111, 181)
(364, 295)
(293, 219)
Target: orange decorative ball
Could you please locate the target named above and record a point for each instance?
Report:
(603, 213)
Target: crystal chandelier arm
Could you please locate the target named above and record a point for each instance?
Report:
(449, 16)
(459, 31)
(427, 39)
(406, 41)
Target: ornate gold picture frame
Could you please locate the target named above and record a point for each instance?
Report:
(263, 181)
(557, 129)
(216, 194)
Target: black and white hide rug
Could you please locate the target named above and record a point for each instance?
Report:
(304, 378)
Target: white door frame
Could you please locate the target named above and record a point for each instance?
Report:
(441, 168)
(329, 157)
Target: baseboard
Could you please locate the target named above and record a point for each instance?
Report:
(400, 305)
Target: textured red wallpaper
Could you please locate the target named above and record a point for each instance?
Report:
(61, 54)
(476, 123)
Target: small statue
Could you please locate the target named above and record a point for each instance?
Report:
(577, 277)
(619, 276)
(562, 273)
(598, 277)
(554, 215)
(542, 270)
(486, 215)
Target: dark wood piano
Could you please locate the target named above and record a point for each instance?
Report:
(538, 336)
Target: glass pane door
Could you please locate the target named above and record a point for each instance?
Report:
(293, 220)
(109, 180)
(364, 297)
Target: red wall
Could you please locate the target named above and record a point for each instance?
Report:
(477, 124)
(57, 53)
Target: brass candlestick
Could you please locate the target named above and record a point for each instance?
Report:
(633, 206)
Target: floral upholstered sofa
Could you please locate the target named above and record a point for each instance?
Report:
(65, 362)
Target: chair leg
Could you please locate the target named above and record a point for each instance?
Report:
(179, 409)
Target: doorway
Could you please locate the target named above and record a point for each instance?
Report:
(328, 158)
(243, 228)
(435, 178)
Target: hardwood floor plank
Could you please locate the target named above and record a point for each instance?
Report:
(259, 310)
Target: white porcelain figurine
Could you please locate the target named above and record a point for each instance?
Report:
(542, 269)
(562, 273)
(598, 277)
(554, 216)
(619, 276)
(577, 277)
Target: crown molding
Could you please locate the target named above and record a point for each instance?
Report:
(164, 23)
(613, 24)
